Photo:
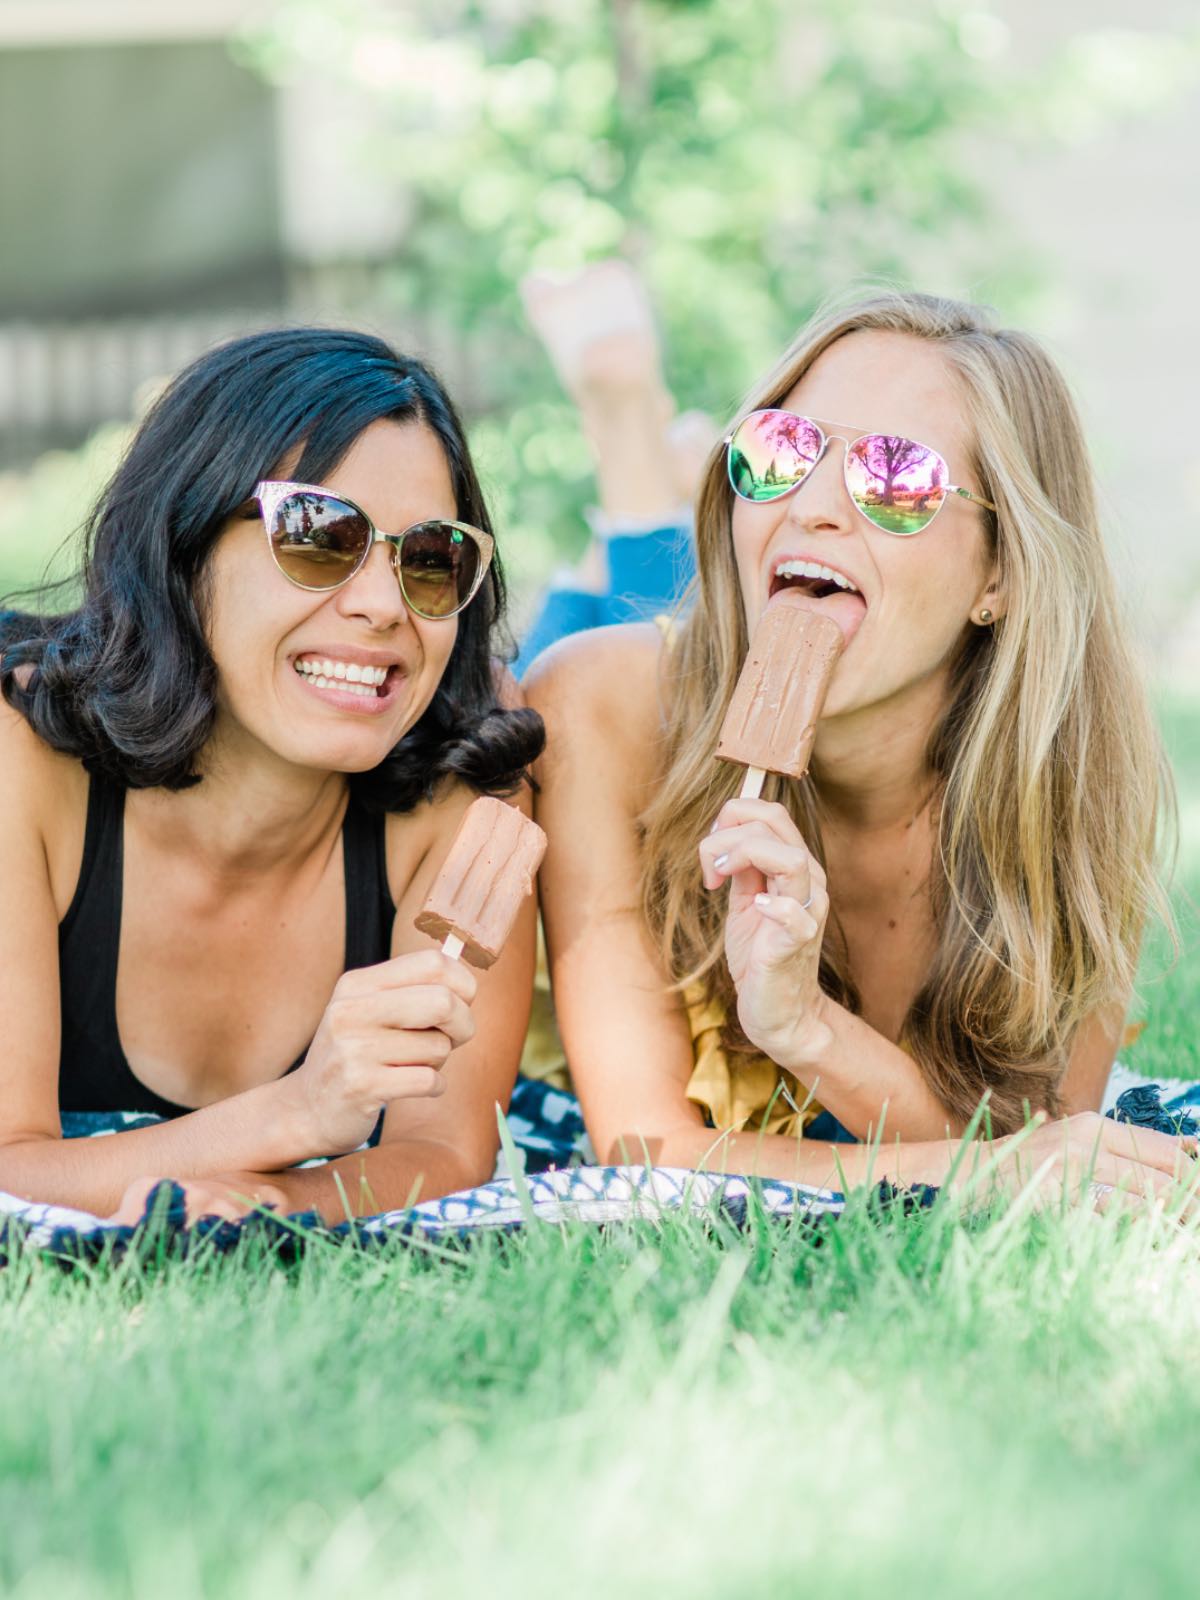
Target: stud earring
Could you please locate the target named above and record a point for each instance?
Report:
(985, 616)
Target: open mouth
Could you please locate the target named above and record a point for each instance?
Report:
(347, 684)
(825, 589)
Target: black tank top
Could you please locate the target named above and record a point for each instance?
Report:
(93, 1073)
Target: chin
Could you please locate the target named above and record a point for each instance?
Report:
(336, 750)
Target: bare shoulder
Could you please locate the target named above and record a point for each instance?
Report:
(43, 809)
(34, 778)
(604, 683)
(509, 696)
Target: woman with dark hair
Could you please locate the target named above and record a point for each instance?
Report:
(226, 781)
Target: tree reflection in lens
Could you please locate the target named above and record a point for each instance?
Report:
(318, 537)
(771, 453)
(896, 482)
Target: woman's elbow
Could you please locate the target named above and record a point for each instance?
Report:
(653, 1145)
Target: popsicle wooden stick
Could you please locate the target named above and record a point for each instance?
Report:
(752, 783)
(452, 946)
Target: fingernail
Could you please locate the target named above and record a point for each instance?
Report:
(719, 863)
(762, 900)
(715, 826)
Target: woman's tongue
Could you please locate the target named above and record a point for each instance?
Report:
(847, 608)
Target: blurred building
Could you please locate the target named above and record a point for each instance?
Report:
(156, 195)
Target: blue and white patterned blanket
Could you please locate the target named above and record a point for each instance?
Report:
(548, 1135)
(555, 1185)
(579, 1194)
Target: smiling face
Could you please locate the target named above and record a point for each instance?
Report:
(332, 681)
(916, 595)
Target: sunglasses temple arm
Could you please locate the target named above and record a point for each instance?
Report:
(975, 499)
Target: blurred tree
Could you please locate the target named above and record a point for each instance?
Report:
(748, 155)
(42, 511)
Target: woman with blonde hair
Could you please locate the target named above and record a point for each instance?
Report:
(946, 912)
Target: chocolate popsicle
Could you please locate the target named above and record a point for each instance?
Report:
(483, 881)
(772, 719)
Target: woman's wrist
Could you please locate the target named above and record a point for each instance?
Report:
(288, 1132)
(906, 1164)
(805, 1048)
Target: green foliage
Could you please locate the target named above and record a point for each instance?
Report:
(749, 155)
(42, 511)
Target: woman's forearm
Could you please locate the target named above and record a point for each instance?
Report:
(255, 1130)
(869, 1084)
(371, 1181)
(813, 1162)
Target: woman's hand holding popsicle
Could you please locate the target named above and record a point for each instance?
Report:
(385, 1035)
(774, 926)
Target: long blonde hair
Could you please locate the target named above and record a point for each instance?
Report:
(1051, 779)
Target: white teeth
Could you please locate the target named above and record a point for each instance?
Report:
(341, 671)
(814, 569)
(347, 676)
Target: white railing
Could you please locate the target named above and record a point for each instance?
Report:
(60, 380)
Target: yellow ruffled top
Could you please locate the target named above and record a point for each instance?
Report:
(737, 1093)
(742, 1092)
(543, 1056)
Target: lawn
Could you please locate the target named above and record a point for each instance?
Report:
(912, 1406)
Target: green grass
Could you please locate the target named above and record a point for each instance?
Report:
(1168, 997)
(912, 1407)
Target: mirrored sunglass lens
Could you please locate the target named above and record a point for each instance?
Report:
(771, 452)
(896, 482)
(438, 568)
(317, 539)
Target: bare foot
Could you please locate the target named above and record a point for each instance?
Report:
(598, 330)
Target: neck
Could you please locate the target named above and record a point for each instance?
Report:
(250, 815)
(871, 767)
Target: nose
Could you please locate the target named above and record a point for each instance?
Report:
(373, 593)
(822, 501)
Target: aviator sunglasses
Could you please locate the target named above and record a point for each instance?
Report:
(320, 540)
(897, 483)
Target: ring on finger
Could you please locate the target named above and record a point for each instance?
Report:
(808, 902)
(1100, 1191)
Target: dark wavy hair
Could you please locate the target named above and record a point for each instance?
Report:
(126, 683)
